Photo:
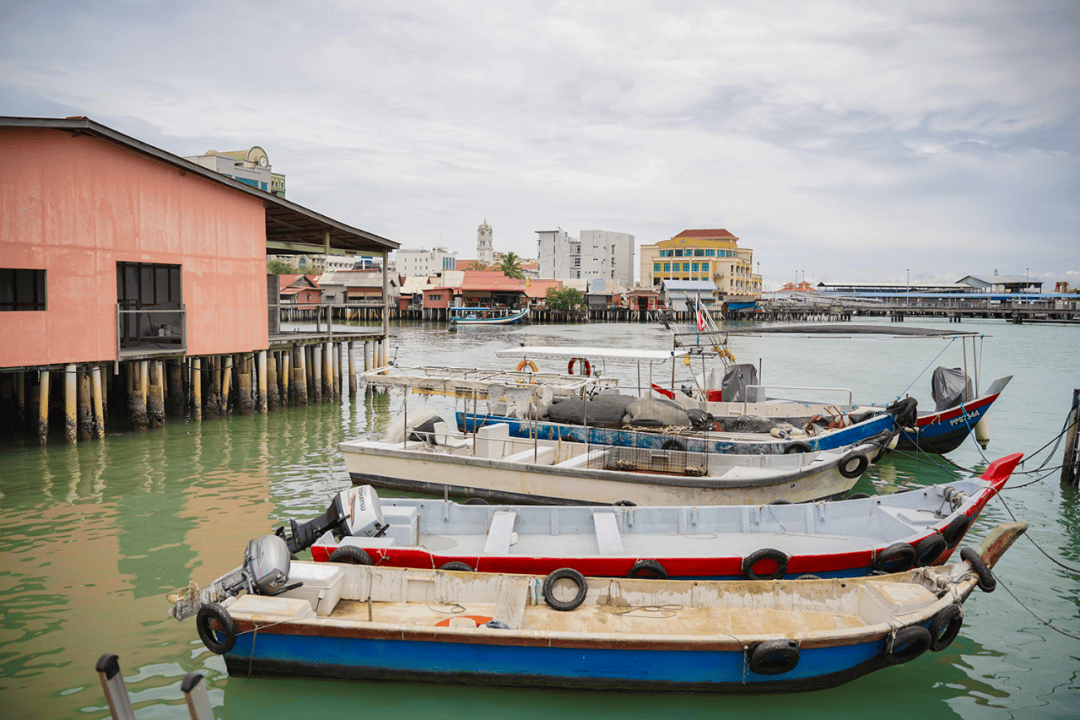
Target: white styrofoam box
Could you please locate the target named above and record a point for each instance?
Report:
(322, 585)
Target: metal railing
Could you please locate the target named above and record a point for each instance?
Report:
(150, 330)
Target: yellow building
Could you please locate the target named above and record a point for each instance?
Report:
(702, 255)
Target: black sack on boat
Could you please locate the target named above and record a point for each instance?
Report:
(748, 424)
(599, 410)
(736, 379)
(699, 418)
(947, 385)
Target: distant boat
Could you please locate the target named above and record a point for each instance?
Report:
(486, 316)
(566, 631)
(889, 533)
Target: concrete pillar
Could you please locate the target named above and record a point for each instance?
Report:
(213, 382)
(137, 396)
(99, 405)
(174, 400)
(43, 408)
(300, 376)
(226, 381)
(286, 375)
(155, 393)
(268, 380)
(367, 356)
(71, 385)
(196, 389)
(352, 368)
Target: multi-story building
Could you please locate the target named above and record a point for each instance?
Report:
(412, 262)
(598, 254)
(251, 167)
(702, 255)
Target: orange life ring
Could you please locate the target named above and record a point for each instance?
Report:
(526, 363)
(478, 619)
(573, 361)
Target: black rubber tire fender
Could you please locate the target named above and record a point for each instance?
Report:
(797, 446)
(860, 466)
(565, 574)
(350, 555)
(774, 657)
(906, 644)
(857, 496)
(625, 503)
(898, 557)
(945, 627)
(674, 444)
(208, 614)
(456, 566)
(955, 530)
(987, 581)
(779, 557)
(929, 549)
(648, 568)
(475, 501)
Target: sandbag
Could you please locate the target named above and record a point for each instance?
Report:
(599, 410)
(654, 412)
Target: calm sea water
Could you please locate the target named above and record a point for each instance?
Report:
(95, 536)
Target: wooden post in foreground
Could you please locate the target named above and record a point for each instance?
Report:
(1070, 465)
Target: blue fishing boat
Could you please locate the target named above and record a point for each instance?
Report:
(567, 631)
(487, 316)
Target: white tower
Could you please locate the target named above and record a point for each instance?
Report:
(485, 253)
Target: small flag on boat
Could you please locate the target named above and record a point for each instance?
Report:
(700, 315)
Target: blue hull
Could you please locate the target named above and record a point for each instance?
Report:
(598, 668)
(831, 440)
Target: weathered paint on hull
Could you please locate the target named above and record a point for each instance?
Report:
(603, 666)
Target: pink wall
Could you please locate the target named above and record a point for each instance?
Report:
(75, 206)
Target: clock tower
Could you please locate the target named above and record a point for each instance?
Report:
(485, 253)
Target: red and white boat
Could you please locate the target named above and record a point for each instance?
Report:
(844, 538)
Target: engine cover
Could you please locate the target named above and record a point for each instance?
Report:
(266, 564)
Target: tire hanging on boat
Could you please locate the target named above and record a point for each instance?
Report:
(906, 644)
(565, 574)
(774, 657)
(210, 613)
(780, 558)
(456, 566)
(945, 626)
(954, 531)
(987, 581)
(648, 568)
(898, 557)
(350, 555)
(797, 446)
(929, 549)
(860, 466)
(674, 444)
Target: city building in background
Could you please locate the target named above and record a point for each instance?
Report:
(421, 261)
(702, 256)
(598, 254)
(251, 167)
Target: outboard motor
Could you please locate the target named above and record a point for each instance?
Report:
(354, 512)
(265, 571)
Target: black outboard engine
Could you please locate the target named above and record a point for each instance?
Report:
(354, 512)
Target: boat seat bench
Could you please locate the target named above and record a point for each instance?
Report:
(608, 538)
(500, 533)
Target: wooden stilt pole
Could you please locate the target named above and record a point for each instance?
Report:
(84, 412)
(264, 382)
(155, 393)
(352, 369)
(196, 389)
(174, 400)
(99, 405)
(243, 385)
(226, 381)
(137, 396)
(71, 390)
(19, 393)
(317, 369)
(43, 408)
(328, 371)
(300, 376)
(286, 375)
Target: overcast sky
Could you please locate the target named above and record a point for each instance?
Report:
(856, 141)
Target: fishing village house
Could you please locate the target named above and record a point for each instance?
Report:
(299, 289)
(133, 280)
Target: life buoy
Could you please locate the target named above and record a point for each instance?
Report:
(351, 555)
(987, 581)
(945, 627)
(898, 557)
(929, 549)
(906, 644)
(575, 361)
(564, 574)
(954, 531)
(526, 363)
(457, 566)
(853, 472)
(648, 568)
(774, 657)
(210, 613)
(780, 558)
